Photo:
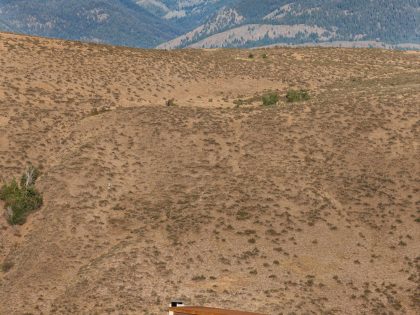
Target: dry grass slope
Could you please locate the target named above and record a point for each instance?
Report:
(309, 207)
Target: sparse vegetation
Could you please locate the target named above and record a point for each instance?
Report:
(97, 111)
(170, 102)
(21, 198)
(251, 56)
(270, 99)
(247, 101)
(149, 197)
(297, 95)
(238, 102)
(199, 278)
(6, 266)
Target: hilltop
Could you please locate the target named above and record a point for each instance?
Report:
(217, 200)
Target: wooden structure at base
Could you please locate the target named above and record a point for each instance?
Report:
(198, 310)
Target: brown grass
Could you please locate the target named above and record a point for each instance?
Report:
(307, 208)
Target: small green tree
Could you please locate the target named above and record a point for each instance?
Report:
(21, 198)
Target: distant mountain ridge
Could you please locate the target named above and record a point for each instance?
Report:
(216, 23)
(119, 22)
(268, 22)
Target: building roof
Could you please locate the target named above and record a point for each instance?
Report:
(198, 310)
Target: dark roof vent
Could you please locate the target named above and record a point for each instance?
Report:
(176, 303)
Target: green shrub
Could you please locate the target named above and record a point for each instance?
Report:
(264, 56)
(21, 198)
(251, 56)
(297, 95)
(270, 99)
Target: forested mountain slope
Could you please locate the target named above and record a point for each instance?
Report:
(248, 23)
(216, 23)
(120, 22)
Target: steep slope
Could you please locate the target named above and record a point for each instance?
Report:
(185, 13)
(305, 207)
(292, 22)
(120, 22)
(224, 19)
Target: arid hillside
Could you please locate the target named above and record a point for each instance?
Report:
(309, 207)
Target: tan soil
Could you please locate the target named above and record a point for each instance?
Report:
(299, 208)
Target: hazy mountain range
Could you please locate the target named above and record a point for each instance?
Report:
(216, 23)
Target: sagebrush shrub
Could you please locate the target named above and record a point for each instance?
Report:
(270, 99)
(170, 102)
(297, 95)
(6, 266)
